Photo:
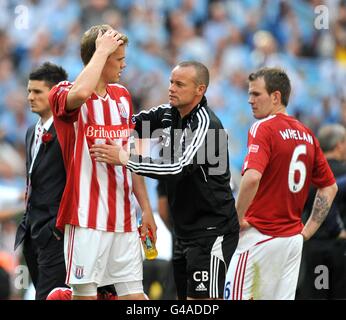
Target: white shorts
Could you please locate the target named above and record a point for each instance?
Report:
(264, 267)
(94, 256)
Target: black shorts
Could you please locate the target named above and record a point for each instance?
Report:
(200, 265)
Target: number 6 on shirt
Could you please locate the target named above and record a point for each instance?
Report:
(297, 165)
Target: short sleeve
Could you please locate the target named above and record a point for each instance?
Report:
(57, 100)
(258, 149)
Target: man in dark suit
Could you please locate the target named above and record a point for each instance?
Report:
(43, 246)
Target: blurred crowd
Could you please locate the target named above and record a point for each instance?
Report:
(231, 37)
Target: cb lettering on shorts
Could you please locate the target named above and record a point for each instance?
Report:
(201, 276)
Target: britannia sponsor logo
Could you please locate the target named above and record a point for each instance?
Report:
(107, 132)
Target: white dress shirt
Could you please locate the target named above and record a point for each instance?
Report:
(39, 130)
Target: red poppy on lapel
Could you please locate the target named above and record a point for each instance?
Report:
(47, 137)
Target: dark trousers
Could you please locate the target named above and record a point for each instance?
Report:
(46, 265)
(327, 253)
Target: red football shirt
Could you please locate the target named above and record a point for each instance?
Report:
(290, 158)
(97, 195)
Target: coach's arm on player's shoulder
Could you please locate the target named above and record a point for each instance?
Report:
(322, 203)
(184, 163)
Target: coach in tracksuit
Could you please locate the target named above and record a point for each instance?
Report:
(195, 165)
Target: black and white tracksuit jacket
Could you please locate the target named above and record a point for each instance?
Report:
(195, 164)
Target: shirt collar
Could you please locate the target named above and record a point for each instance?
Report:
(47, 124)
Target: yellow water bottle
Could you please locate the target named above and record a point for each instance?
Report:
(148, 243)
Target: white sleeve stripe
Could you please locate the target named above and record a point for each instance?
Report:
(188, 150)
(186, 158)
(174, 166)
(158, 169)
(254, 127)
(163, 106)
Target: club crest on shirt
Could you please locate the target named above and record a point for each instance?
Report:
(79, 273)
(122, 110)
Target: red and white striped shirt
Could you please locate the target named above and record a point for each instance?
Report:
(97, 195)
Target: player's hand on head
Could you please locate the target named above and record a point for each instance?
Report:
(109, 41)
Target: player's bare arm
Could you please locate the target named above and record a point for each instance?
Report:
(323, 201)
(140, 191)
(248, 188)
(88, 79)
